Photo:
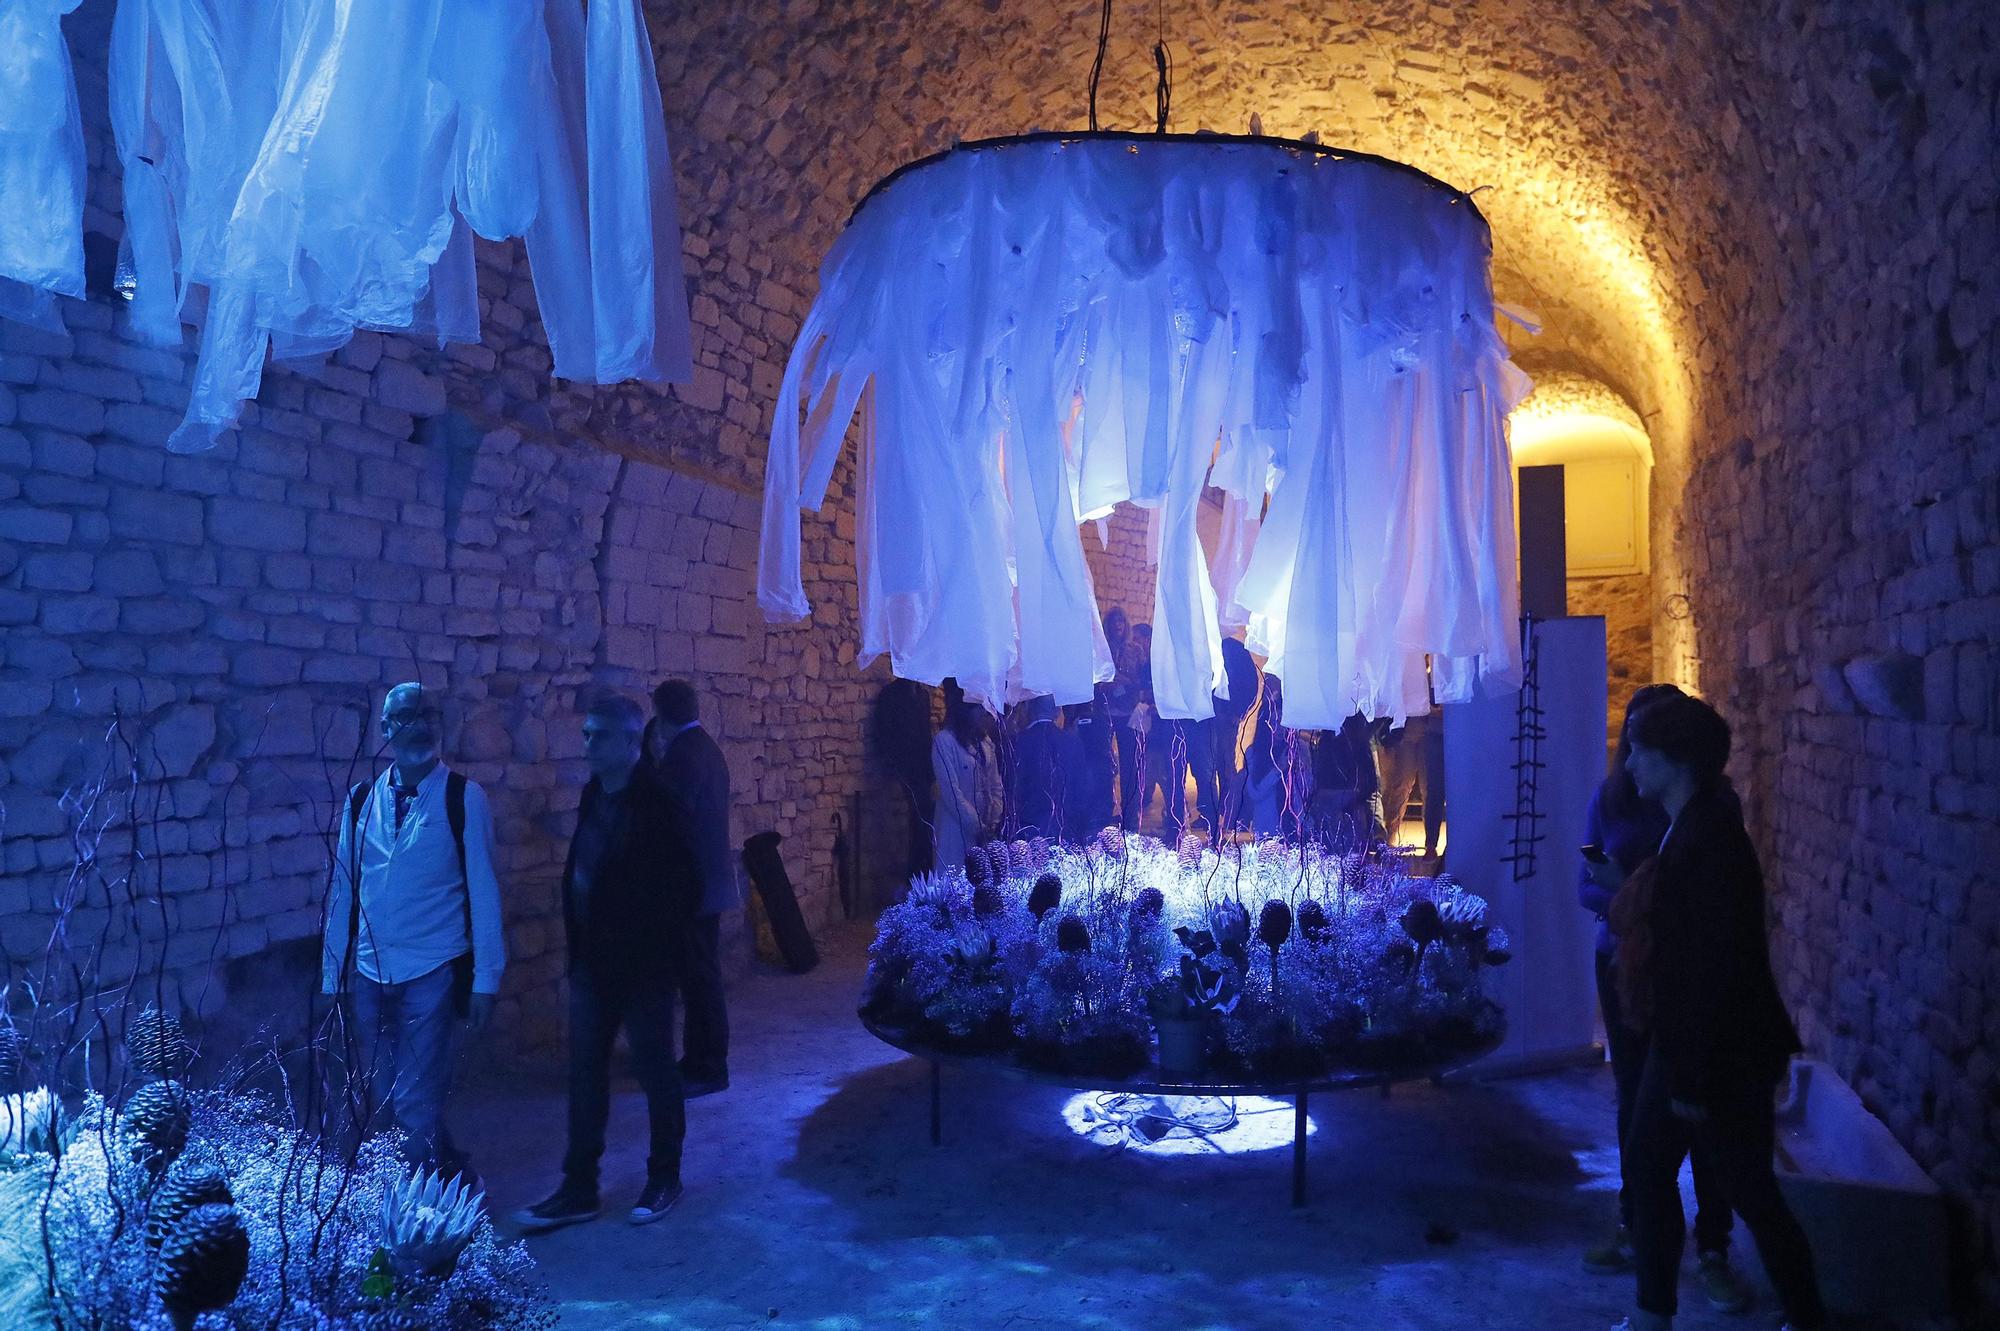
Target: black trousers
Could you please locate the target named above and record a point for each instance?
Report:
(705, 1032)
(1738, 1133)
(1128, 774)
(601, 1001)
(1712, 1217)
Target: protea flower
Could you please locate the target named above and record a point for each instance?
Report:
(202, 1263)
(1229, 921)
(154, 1123)
(190, 1183)
(987, 901)
(1072, 935)
(927, 893)
(1312, 921)
(973, 949)
(1046, 896)
(27, 1122)
(1461, 914)
(155, 1045)
(426, 1223)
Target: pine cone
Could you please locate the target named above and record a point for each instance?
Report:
(1020, 858)
(189, 1184)
(202, 1262)
(1150, 903)
(1313, 922)
(11, 1050)
(1039, 850)
(1274, 924)
(978, 869)
(1112, 842)
(1072, 935)
(1046, 896)
(155, 1045)
(987, 901)
(154, 1123)
(1191, 847)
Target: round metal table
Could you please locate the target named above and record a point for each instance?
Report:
(1150, 1081)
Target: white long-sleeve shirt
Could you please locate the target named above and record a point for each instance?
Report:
(414, 902)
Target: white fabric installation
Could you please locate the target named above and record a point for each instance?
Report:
(1036, 330)
(300, 170)
(41, 164)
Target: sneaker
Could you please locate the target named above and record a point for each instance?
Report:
(656, 1201)
(569, 1205)
(1725, 1290)
(1612, 1258)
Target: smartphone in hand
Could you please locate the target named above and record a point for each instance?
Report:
(1594, 853)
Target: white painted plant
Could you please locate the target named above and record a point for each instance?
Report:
(27, 1121)
(426, 1223)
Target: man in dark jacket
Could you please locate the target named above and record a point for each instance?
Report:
(695, 777)
(628, 896)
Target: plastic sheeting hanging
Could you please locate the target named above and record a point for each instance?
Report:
(1036, 329)
(300, 170)
(41, 164)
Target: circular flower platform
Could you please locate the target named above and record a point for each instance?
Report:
(1123, 964)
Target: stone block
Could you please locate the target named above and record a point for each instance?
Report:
(17, 607)
(60, 410)
(64, 454)
(1940, 687)
(402, 387)
(181, 736)
(79, 614)
(127, 573)
(266, 667)
(343, 536)
(1887, 684)
(155, 515)
(57, 571)
(254, 525)
(35, 526)
(24, 697)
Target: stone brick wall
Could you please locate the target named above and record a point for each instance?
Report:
(1627, 606)
(1119, 568)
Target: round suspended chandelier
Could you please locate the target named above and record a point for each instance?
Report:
(1034, 329)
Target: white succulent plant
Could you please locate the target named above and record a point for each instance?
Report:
(27, 1121)
(426, 1222)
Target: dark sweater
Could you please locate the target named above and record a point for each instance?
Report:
(1629, 839)
(629, 885)
(1718, 1021)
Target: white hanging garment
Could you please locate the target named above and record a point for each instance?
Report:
(41, 164)
(1049, 328)
(639, 296)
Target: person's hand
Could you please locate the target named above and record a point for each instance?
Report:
(1606, 874)
(1687, 1111)
(478, 1012)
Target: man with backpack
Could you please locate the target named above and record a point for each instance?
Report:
(413, 935)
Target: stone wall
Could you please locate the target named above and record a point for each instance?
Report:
(1627, 606)
(202, 641)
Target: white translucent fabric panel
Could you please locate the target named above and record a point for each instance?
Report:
(299, 170)
(41, 163)
(1048, 328)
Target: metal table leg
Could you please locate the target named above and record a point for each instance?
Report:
(937, 1103)
(1299, 1149)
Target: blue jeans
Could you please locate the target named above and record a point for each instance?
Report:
(404, 1033)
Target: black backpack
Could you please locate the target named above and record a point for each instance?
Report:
(454, 812)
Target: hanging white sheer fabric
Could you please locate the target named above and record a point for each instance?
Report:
(299, 170)
(1046, 328)
(41, 163)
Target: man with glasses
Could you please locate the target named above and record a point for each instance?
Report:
(629, 894)
(413, 933)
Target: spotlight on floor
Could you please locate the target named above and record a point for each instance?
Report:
(1170, 1125)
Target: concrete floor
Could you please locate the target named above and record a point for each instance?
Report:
(815, 1201)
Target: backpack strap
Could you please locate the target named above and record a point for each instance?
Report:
(454, 812)
(357, 800)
